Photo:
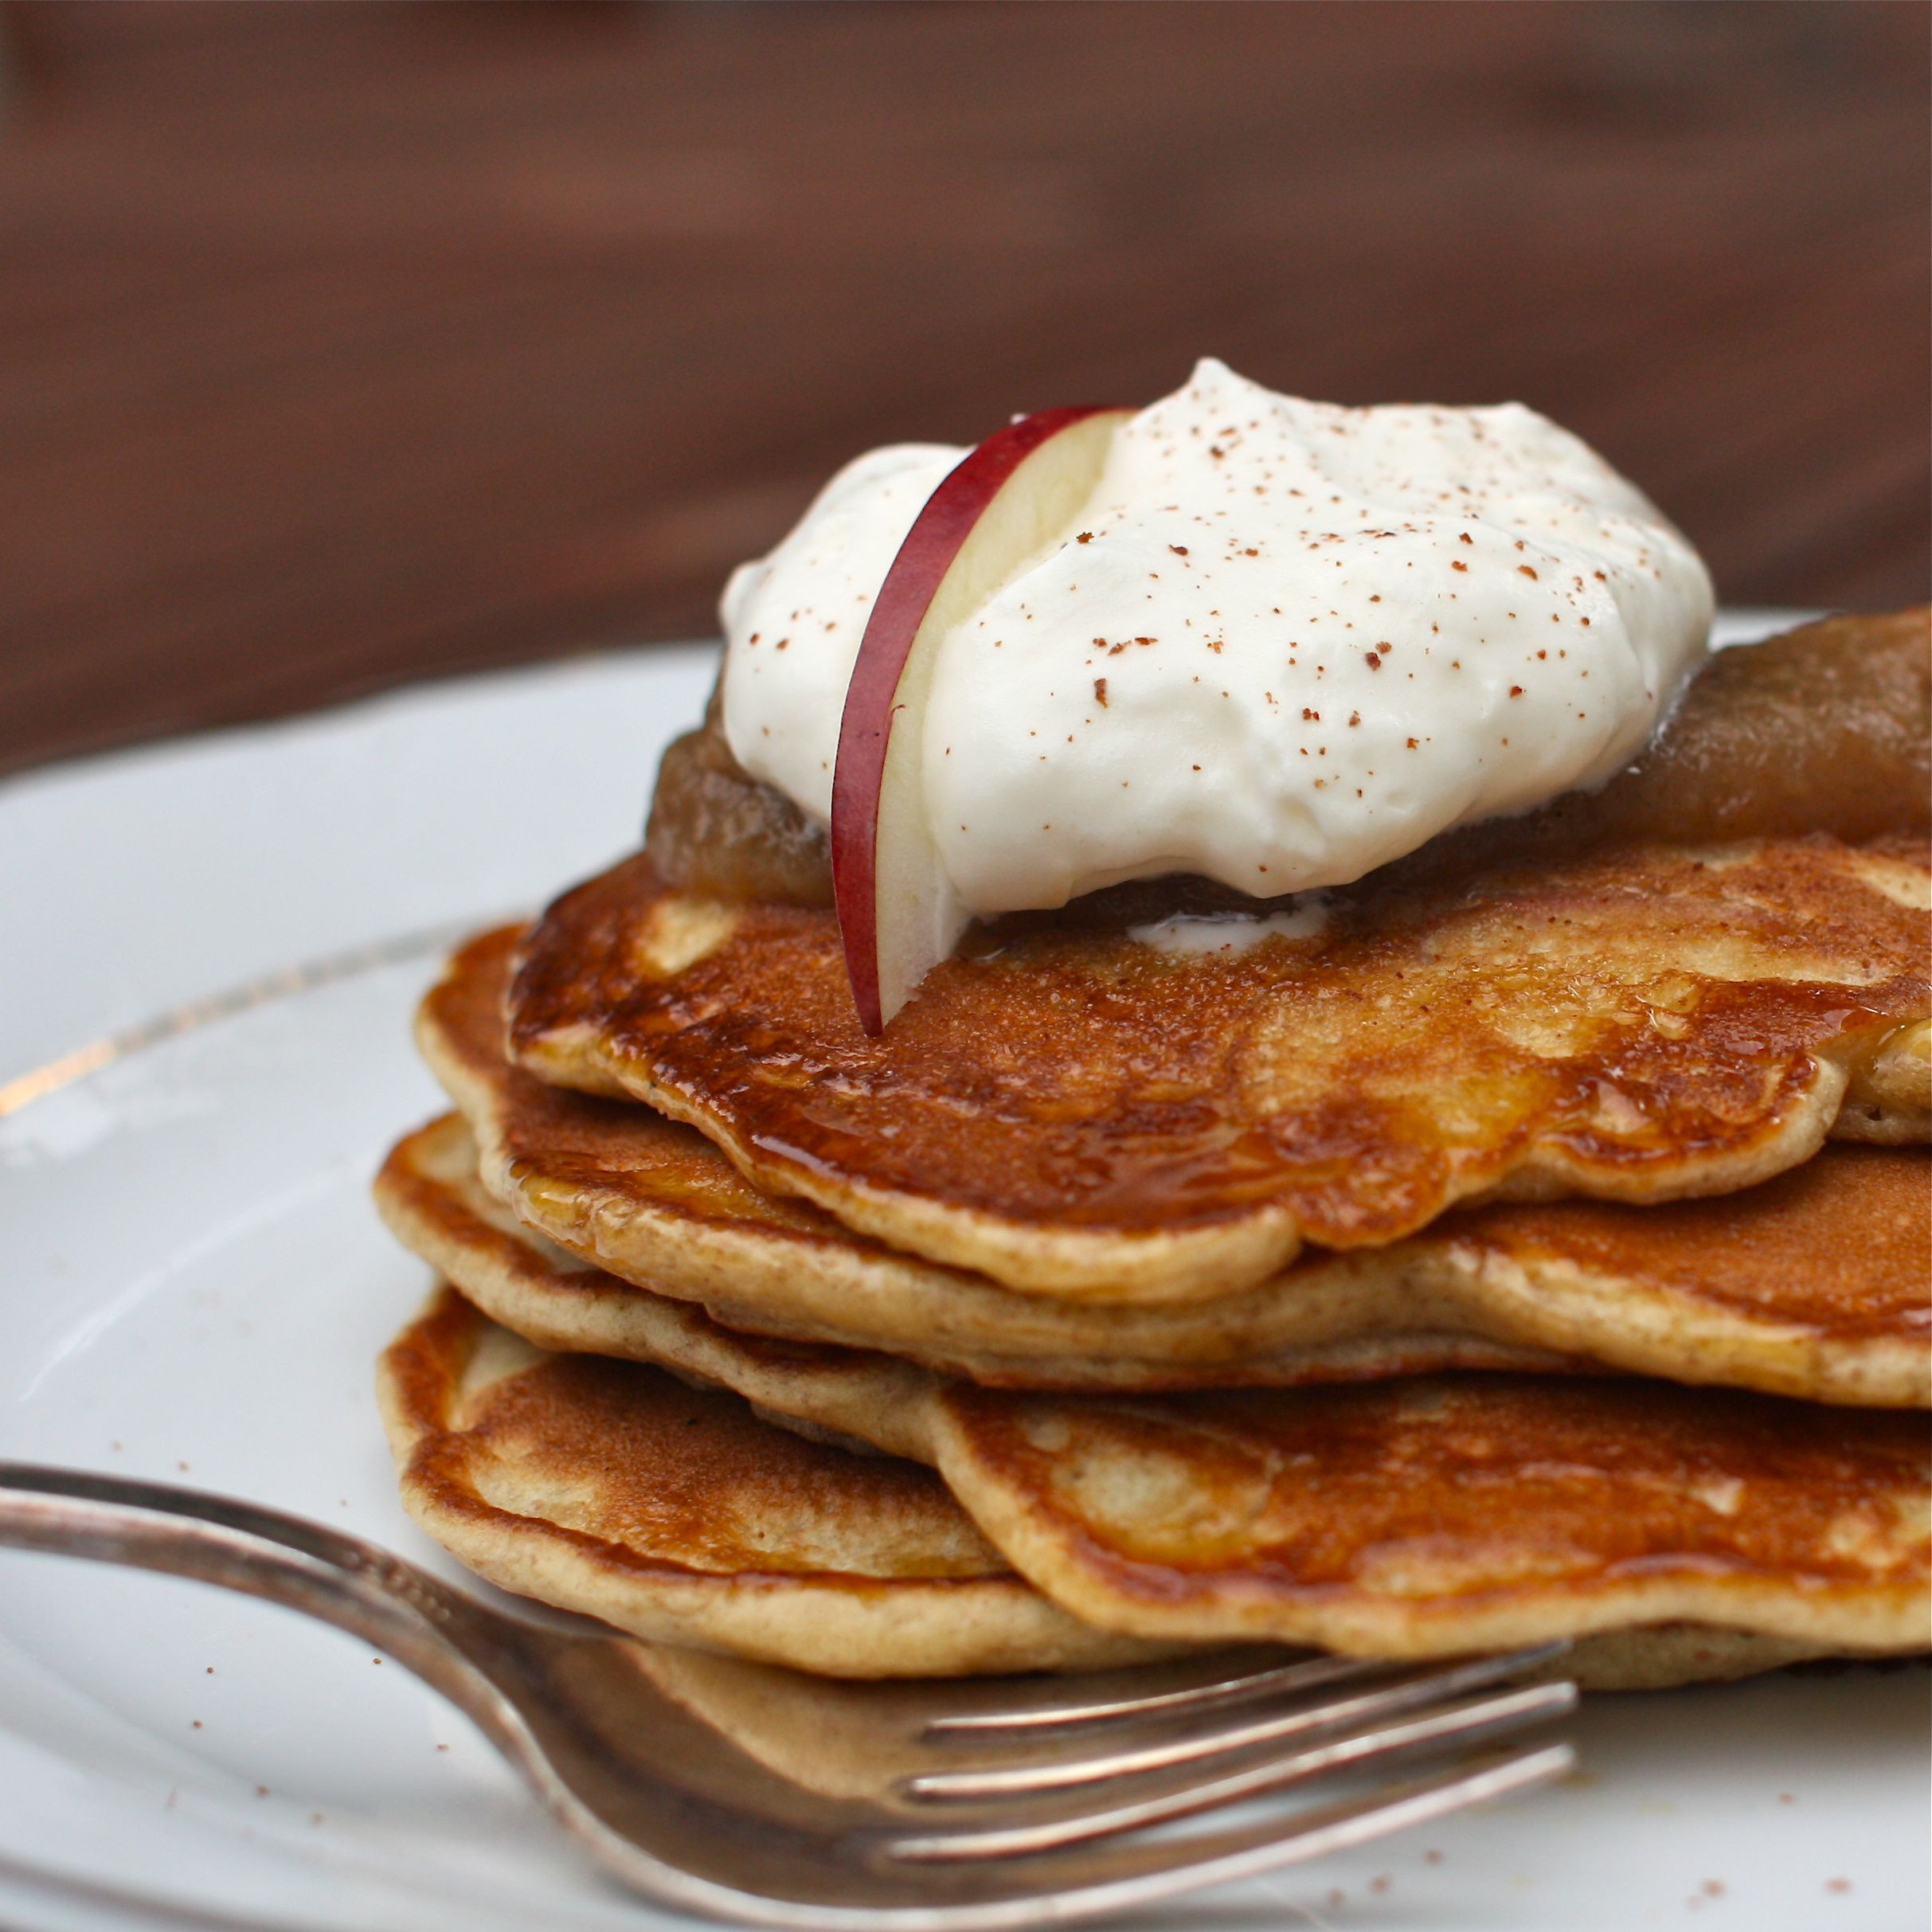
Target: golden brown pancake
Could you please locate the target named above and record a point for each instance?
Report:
(1415, 1518)
(431, 1195)
(1444, 1514)
(674, 1513)
(1075, 1113)
(1761, 1289)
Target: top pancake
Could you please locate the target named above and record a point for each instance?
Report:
(1814, 1283)
(1075, 1113)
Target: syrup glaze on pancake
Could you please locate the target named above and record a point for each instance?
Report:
(1419, 1517)
(1075, 1113)
(1761, 1289)
(672, 1512)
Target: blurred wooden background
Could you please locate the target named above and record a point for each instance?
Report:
(349, 344)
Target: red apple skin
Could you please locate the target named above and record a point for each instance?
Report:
(865, 728)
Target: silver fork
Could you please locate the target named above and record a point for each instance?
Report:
(744, 1793)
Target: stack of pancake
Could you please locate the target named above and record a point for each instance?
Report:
(1530, 1243)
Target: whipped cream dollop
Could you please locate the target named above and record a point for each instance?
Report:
(1282, 643)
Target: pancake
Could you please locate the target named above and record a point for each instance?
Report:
(1814, 1285)
(674, 1513)
(1076, 1113)
(1424, 1517)
(1444, 1514)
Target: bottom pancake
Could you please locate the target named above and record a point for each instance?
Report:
(1686, 1534)
(674, 1512)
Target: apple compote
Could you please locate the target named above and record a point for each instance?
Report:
(716, 830)
(1823, 729)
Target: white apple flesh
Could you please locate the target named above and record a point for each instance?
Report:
(898, 915)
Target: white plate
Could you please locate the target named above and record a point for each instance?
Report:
(195, 1287)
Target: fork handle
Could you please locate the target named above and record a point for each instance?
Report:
(305, 1566)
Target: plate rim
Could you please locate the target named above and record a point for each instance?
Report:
(21, 1090)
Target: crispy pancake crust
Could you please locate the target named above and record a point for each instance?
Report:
(1761, 1289)
(1075, 1113)
(1417, 1518)
(674, 1513)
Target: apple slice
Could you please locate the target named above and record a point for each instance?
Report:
(898, 915)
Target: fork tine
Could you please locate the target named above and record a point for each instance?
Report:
(1060, 1774)
(1117, 1878)
(1244, 1687)
(1462, 1724)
